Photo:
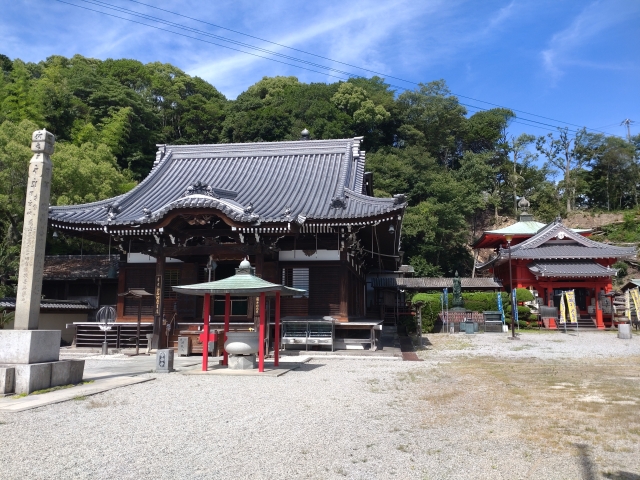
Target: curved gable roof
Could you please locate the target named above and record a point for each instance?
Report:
(248, 182)
(555, 241)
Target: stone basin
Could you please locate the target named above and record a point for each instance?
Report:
(241, 343)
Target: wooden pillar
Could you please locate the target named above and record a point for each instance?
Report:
(261, 336)
(205, 343)
(259, 264)
(344, 285)
(121, 284)
(599, 314)
(276, 339)
(227, 318)
(159, 334)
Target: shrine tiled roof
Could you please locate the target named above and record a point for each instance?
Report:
(525, 228)
(78, 267)
(244, 282)
(49, 304)
(250, 183)
(557, 242)
(435, 283)
(571, 269)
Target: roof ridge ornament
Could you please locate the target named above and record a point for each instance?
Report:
(287, 215)
(245, 268)
(338, 202)
(399, 199)
(112, 210)
(523, 204)
(200, 188)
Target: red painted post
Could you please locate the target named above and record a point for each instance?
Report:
(205, 342)
(227, 317)
(599, 313)
(276, 340)
(261, 336)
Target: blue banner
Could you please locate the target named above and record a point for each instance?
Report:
(446, 297)
(500, 308)
(514, 305)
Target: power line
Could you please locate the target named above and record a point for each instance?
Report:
(199, 39)
(344, 63)
(200, 32)
(270, 52)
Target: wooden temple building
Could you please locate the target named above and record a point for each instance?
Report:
(550, 259)
(303, 212)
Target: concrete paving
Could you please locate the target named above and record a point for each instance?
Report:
(269, 371)
(12, 404)
(138, 366)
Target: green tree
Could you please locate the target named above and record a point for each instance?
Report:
(18, 101)
(564, 153)
(81, 174)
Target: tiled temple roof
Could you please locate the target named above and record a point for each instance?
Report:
(434, 283)
(77, 267)
(571, 269)
(49, 304)
(557, 242)
(252, 183)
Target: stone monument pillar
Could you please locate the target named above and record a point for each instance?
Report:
(31, 353)
(34, 232)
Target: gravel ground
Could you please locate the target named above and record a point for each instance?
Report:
(330, 418)
(539, 344)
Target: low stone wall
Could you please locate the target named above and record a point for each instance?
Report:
(459, 317)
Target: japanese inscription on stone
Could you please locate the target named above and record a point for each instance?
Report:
(34, 232)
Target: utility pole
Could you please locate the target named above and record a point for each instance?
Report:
(628, 123)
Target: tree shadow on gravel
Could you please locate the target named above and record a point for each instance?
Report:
(586, 462)
(620, 475)
(307, 367)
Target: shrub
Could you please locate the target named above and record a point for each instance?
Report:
(622, 267)
(407, 324)
(523, 295)
(524, 313)
(430, 310)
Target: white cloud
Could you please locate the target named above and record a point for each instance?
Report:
(566, 45)
(347, 33)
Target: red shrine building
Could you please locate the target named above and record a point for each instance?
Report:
(550, 259)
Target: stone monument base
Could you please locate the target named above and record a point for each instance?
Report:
(7, 380)
(242, 362)
(29, 377)
(29, 346)
(29, 361)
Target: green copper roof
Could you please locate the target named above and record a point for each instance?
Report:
(244, 282)
(531, 227)
(526, 228)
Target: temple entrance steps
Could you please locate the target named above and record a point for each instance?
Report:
(586, 321)
(121, 335)
(389, 316)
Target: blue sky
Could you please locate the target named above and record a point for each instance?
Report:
(575, 61)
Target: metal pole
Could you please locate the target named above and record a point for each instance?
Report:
(261, 335)
(205, 342)
(514, 305)
(227, 318)
(276, 339)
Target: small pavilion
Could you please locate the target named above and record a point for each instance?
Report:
(245, 283)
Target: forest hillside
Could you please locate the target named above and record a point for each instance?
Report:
(461, 172)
